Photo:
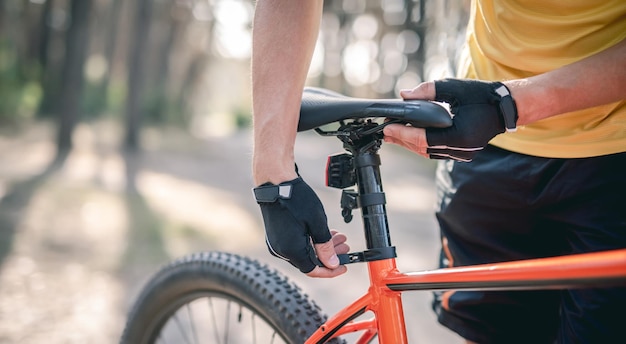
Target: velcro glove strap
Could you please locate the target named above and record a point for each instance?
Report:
(481, 111)
(271, 193)
(294, 218)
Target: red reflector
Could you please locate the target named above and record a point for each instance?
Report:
(327, 170)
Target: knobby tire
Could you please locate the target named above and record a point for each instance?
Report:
(254, 294)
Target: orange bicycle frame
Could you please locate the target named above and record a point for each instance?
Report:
(383, 298)
(386, 285)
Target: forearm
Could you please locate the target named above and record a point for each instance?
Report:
(597, 80)
(284, 38)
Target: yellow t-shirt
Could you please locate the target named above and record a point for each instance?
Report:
(510, 39)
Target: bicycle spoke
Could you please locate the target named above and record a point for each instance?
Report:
(230, 322)
(181, 329)
(191, 324)
(253, 328)
(214, 314)
(214, 318)
(273, 337)
(226, 325)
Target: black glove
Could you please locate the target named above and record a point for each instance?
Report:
(481, 111)
(293, 216)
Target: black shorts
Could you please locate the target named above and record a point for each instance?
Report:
(506, 206)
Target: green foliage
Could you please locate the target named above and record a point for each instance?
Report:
(156, 106)
(116, 97)
(103, 100)
(243, 117)
(159, 108)
(20, 90)
(95, 100)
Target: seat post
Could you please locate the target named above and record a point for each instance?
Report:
(372, 198)
(388, 305)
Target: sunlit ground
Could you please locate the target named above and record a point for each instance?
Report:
(77, 243)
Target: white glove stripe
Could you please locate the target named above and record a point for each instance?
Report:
(450, 157)
(274, 251)
(475, 149)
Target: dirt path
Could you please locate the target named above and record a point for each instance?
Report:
(78, 241)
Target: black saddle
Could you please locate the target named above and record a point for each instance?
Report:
(321, 106)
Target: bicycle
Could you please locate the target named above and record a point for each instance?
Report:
(239, 300)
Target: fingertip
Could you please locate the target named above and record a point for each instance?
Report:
(425, 90)
(341, 270)
(389, 130)
(326, 254)
(405, 92)
(333, 261)
(320, 272)
(314, 273)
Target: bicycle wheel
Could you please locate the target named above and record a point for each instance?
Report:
(216, 297)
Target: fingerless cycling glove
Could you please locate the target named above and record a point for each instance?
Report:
(293, 216)
(481, 111)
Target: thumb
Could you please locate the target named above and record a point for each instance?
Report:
(423, 91)
(326, 254)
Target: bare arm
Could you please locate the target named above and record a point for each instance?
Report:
(284, 38)
(597, 80)
(283, 41)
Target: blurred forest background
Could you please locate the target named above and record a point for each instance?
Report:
(185, 62)
(125, 142)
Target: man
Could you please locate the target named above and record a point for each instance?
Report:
(555, 72)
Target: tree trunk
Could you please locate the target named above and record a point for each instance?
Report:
(137, 49)
(165, 56)
(50, 75)
(110, 43)
(72, 80)
(44, 35)
(2, 16)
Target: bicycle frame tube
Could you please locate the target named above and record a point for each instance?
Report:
(573, 271)
(383, 302)
(383, 297)
(386, 304)
(597, 269)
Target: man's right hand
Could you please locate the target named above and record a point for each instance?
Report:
(294, 218)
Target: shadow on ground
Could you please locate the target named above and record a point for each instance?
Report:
(78, 238)
(17, 199)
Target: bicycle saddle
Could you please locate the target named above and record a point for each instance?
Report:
(321, 106)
